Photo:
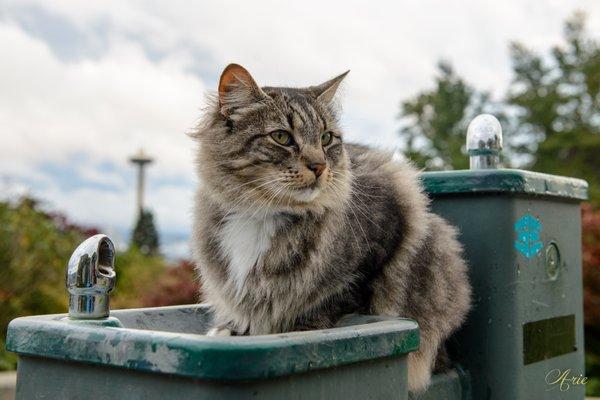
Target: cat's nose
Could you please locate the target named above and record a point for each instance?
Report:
(317, 168)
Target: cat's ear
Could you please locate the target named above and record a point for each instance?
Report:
(237, 88)
(326, 91)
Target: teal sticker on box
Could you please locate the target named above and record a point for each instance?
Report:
(528, 230)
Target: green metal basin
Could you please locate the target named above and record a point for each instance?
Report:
(162, 353)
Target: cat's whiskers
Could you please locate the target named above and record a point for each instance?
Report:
(347, 202)
(358, 222)
(357, 201)
(238, 187)
(268, 206)
(233, 208)
(257, 209)
(355, 184)
(244, 195)
(363, 208)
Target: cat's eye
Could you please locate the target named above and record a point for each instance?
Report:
(326, 138)
(282, 137)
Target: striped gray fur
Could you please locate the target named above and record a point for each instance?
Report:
(280, 248)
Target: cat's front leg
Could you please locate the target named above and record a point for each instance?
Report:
(420, 363)
(419, 371)
(220, 330)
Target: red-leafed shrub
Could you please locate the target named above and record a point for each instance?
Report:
(178, 285)
(591, 265)
(591, 296)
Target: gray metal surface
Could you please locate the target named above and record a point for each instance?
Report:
(451, 385)
(377, 379)
(512, 289)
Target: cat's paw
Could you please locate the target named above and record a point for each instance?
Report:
(219, 331)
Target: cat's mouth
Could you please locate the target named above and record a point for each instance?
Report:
(313, 185)
(305, 194)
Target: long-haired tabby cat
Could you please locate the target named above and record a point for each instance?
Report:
(295, 228)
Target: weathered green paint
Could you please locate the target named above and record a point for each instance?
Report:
(199, 356)
(504, 181)
(110, 321)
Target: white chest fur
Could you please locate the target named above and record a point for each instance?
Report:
(243, 240)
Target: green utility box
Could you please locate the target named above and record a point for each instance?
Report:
(522, 237)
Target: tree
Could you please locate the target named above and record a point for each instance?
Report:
(35, 247)
(435, 121)
(33, 257)
(556, 99)
(145, 236)
(180, 285)
(138, 275)
(590, 221)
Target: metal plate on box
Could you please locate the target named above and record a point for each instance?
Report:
(548, 338)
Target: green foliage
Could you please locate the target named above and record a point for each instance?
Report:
(138, 275)
(592, 364)
(436, 121)
(33, 257)
(557, 102)
(179, 286)
(145, 236)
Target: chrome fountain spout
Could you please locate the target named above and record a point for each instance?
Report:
(90, 277)
(484, 142)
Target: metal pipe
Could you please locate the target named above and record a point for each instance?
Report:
(90, 277)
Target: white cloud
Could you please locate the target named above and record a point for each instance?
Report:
(105, 108)
(391, 46)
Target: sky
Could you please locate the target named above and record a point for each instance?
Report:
(84, 85)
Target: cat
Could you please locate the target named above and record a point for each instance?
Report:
(294, 228)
